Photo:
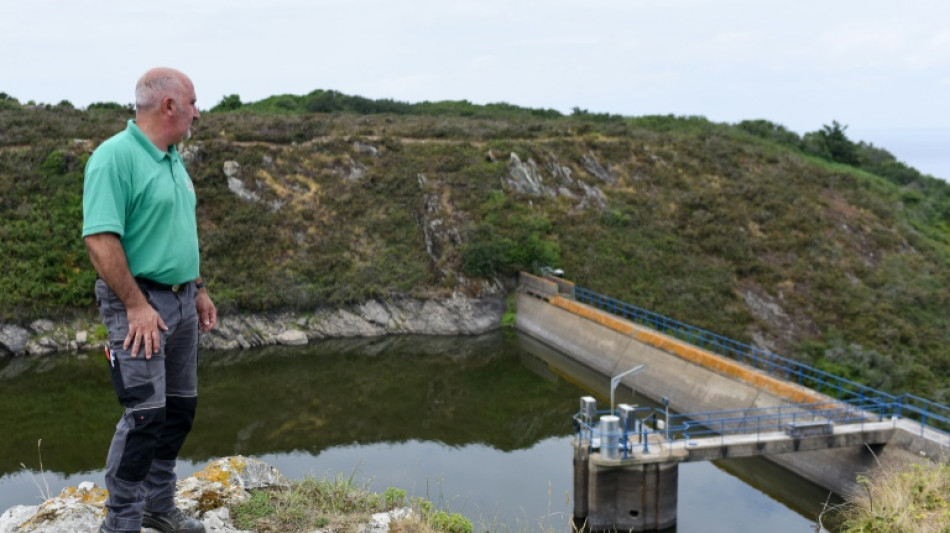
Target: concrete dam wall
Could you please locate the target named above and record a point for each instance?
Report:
(696, 380)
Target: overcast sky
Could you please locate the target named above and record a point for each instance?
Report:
(880, 67)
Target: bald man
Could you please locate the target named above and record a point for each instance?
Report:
(140, 228)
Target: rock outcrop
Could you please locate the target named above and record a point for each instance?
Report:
(456, 315)
(528, 179)
(206, 495)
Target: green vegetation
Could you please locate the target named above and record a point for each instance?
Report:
(322, 101)
(816, 246)
(907, 500)
(338, 504)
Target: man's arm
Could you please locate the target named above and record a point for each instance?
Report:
(110, 262)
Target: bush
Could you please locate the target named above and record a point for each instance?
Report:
(109, 106)
(230, 102)
(8, 102)
(771, 131)
(913, 498)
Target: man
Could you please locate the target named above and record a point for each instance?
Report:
(140, 228)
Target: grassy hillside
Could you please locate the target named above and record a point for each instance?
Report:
(816, 247)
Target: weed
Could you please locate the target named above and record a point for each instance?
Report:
(912, 498)
(45, 492)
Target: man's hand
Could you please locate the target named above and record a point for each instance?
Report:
(207, 313)
(108, 256)
(144, 323)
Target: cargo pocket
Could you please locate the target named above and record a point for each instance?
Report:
(134, 395)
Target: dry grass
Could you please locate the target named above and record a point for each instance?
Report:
(912, 499)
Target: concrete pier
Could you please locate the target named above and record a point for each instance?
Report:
(624, 494)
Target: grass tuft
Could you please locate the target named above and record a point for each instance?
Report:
(913, 499)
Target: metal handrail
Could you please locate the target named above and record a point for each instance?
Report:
(753, 421)
(926, 412)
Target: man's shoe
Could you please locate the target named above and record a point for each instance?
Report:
(172, 522)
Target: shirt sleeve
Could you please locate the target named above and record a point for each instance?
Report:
(106, 194)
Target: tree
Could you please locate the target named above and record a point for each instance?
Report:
(228, 103)
(833, 144)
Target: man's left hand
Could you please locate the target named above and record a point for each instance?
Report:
(207, 313)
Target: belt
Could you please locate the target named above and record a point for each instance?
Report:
(149, 284)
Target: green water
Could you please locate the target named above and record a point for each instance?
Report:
(479, 424)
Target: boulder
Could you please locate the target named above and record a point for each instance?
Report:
(13, 339)
(292, 337)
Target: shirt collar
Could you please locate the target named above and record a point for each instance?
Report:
(147, 144)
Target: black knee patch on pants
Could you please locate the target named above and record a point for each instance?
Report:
(179, 419)
(140, 444)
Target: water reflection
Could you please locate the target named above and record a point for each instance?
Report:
(480, 425)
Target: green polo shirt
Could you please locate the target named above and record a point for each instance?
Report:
(144, 196)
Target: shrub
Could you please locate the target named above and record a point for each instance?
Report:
(8, 102)
(230, 102)
(109, 106)
(771, 131)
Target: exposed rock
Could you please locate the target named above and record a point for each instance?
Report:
(457, 315)
(237, 187)
(42, 346)
(365, 148)
(206, 495)
(439, 223)
(292, 337)
(13, 339)
(524, 177)
(351, 170)
(42, 326)
(776, 329)
(379, 522)
(593, 197)
(593, 166)
(77, 509)
(232, 169)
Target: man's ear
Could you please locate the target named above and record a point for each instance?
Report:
(168, 106)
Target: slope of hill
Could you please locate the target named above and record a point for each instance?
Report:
(817, 248)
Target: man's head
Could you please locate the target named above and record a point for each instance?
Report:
(165, 105)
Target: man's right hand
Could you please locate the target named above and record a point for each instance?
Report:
(108, 256)
(144, 323)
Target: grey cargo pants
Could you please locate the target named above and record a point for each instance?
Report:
(159, 394)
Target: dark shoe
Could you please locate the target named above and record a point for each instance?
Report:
(173, 522)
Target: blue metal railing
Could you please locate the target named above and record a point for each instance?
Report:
(641, 424)
(928, 413)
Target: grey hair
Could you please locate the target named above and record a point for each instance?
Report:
(150, 90)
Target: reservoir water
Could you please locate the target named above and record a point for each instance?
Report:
(479, 425)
